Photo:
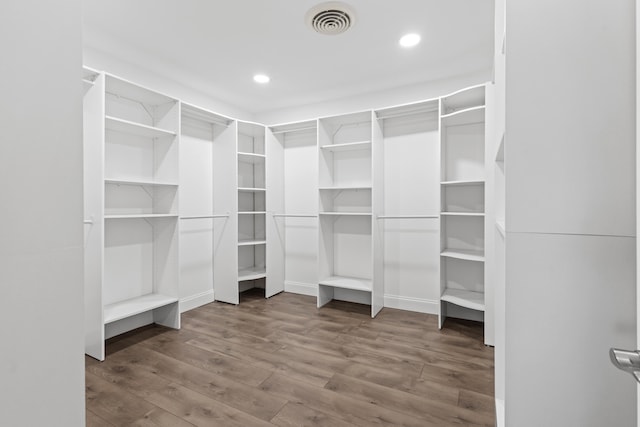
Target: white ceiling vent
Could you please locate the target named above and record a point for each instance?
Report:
(330, 18)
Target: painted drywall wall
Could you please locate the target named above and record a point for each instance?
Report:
(41, 232)
(570, 211)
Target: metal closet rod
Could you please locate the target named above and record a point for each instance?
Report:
(206, 216)
(295, 215)
(408, 216)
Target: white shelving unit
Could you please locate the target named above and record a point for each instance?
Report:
(136, 153)
(462, 207)
(251, 208)
(347, 177)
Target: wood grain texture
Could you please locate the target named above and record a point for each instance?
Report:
(283, 362)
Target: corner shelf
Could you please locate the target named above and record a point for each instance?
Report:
(462, 183)
(251, 157)
(469, 214)
(254, 273)
(468, 255)
(467, 299)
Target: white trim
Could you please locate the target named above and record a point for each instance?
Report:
(500, 413)
(195, 301)
(419, 305)
(310, 289)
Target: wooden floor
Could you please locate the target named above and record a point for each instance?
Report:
(283, 362)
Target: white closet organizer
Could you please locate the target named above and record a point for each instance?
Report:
(463, 175)
(347, 204)
(139, 256)
(292, 217)
(251, 206)
(208, 237)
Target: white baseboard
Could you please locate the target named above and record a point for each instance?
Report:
(499, 413)
(412, 304)
(195, 301)
(310, 289)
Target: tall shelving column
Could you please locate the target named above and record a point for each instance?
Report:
(208, 238)
(462, 216)
(346, 201)
(140, 271)
(251, 207)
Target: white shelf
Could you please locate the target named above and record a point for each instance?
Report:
(349, 146)
(251, 242)
(251, 190)
(131, 307)
(500, 225)
(346, 213)
(140, 183)
(468, 255)
(462, 183)
(353, 283)
(133, 128)
(252, 213)
(124, 89)
(467, 299)
(141, 216)
(465, 116)
(251, 157)
(471, 214)
(345, 187)
(252, 273)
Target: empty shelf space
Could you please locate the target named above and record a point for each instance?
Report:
(141, 216)
(131, 307)
(476, 214)
(348, 146)
(133, 128)
(253, 273)
(461, 183)
(251, 190)
(249, 242)
(251, 157)
(353, 283)
(465, 254)
(467, 299)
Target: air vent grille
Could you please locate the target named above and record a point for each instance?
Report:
(330, 18)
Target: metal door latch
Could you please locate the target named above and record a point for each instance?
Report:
(625, 360)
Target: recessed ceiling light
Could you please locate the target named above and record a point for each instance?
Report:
(261, 78)
(410, 40)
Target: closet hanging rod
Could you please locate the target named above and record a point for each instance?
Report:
(203, 117)
(276, 132)
(408, 216)
(295, 215)
(205, 216)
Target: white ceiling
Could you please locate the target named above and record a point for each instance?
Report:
(216, 46)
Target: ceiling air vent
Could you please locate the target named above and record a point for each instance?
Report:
(330, 18)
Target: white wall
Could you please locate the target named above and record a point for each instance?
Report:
(41, 233)
(570, 211)
(154, 80)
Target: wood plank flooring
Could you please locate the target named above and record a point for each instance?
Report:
(283, 362)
